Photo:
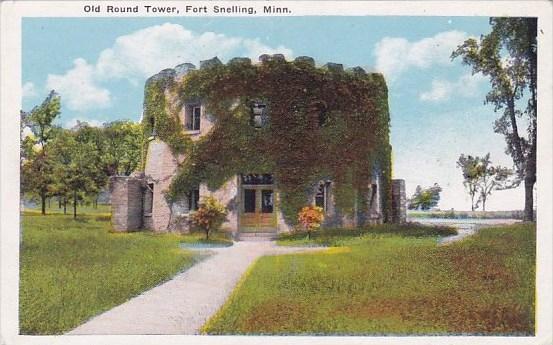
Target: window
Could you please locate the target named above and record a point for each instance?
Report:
(193, 199)
(267, 201)
(192, 117)
(373, 195)
(249, 200)
(322, 196)
(320, 109)
(259, 116)
(148, 199)
(153, 126)
(256, 179)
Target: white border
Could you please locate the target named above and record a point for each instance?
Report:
(10, 96)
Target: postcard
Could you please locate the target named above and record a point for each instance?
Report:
(276, 172)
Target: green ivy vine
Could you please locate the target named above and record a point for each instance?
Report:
(325, 123)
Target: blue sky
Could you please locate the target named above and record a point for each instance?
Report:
(99, 65)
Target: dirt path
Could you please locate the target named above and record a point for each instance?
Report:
(183, 304)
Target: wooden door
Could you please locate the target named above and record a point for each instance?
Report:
(258, 213)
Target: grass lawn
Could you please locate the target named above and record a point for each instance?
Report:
(216, 239)
(72, 270)
(336, 236)
(392, 284)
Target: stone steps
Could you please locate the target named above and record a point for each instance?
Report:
(256, 236)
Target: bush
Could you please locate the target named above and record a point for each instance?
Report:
(310, 218)
(210, 215)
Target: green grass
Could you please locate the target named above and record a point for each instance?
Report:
(335, 236)
(220, 238)
(71, 270)
(391, 284)
(452, 214)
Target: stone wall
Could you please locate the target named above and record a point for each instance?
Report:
(126, 203)
(161, 166)
(399, 210)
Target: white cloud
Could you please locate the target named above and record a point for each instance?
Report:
(74, 121)
(78, 87)
(394, 55)
(466, 86)
(28, 90)
(143, 53)
(147, 51)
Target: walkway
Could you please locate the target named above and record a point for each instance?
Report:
(183, 304)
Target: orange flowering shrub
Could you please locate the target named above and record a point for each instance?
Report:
(310, 218)
(210, 215)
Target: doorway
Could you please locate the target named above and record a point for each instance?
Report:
(258, 207)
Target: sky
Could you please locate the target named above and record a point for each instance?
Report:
(99, 65)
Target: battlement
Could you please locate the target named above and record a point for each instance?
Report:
(171, 74)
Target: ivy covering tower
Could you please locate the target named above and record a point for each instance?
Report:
(268, 139)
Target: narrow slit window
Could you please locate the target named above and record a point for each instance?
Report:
(373, 194)
(193, 199)
(320, 197)
(193, 117)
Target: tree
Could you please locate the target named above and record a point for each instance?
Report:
(493, 178)
(508, 56)
(482, 178)
(471, 174)
(77, 170)
(36, 163)
(426, 198)
(122, 147)
(210, 215)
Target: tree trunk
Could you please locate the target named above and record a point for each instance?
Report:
(515, 137)
(49, 202)
(43, 203)
(484, 204)
(64, 205)
(59, 201)
(207, 234)
(529, 199)
(74, 204)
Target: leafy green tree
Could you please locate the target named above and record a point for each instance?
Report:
(121, 148)
(471, 174)
(481, 178)
(425, 199)
(36, 162)
(508, 57)
(492, 178)
(78, 170)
